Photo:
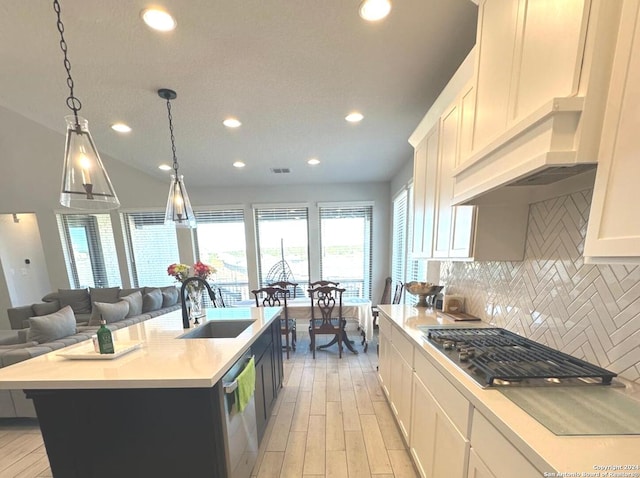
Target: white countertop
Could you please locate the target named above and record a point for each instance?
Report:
(546, 451)
(162, 360)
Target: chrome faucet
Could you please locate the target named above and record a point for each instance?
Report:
(183, 290)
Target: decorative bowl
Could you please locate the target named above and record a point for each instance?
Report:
(423, 290)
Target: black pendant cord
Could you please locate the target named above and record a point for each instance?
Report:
(173, 140)
(73, 103)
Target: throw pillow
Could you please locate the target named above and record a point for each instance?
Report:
(110, 312)
(50, 297)
(46, 307)
(169, 296)
(135, 304)
(48, 328)
(152, 300)
(108, 295)
(78, 299)
(124, 292)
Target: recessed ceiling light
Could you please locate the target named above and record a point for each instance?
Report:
(374, 10)
(165, 167)
(313, 161)
(158, 19)
(354, 117)
(231, 123)
(239, 164)
(121, 128)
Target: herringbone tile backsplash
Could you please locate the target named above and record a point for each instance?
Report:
(589, 311)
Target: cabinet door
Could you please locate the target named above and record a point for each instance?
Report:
(384, 360)
(424, 180)
(444, 186)
(436, 445)
(613, 232)
(400, 391)
(497, 24)
(477, 469)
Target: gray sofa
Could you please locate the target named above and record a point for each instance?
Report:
(70, 316)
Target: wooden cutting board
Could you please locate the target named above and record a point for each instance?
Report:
(460, 316)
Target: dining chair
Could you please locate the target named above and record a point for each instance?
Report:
(385, 299)
(277, 297)
(397, 295)
(323, 283)
(291, 287)
(326, 316)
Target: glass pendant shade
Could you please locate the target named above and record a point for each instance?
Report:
(85, 183)
(179, 210)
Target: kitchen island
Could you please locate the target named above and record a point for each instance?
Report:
(157, 410)
(458, 429)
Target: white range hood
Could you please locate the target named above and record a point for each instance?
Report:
(541, 149)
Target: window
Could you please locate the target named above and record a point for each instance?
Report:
(416, 268)
(220, 242)
(89, 250)
(399, 249)
(152, 246)
(345, 247)
(283, 244)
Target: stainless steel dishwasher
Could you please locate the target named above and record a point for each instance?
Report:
(241, 435)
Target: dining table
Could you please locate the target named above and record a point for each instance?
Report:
(352, 308)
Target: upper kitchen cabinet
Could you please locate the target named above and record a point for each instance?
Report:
(613, 232)
(541, 76)
(442, 231)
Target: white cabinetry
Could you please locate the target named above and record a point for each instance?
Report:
(528, 53)
(441, 230)
(395, 372)
(541, 77)
(499, 457)
(384, 354)
(424, 193)
(613, 233)
(438, 446)
(477, 469)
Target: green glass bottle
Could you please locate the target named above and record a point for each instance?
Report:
(105, 340)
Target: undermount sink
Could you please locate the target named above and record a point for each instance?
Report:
(217, 329)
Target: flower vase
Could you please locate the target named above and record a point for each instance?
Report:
(196, 310)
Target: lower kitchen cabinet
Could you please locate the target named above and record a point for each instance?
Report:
(384, 355)
(400, 392)
(496, 455)
(437, 447)
(267, 350)
(477, 469)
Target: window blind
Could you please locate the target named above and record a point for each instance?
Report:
(220, 241)
(89, 250)
(346, 247)
(399, 250)
(416, 268)
(283, 244)
(152, 246)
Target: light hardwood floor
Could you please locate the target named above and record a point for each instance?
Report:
(331, 419)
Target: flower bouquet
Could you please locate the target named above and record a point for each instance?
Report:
(182, 272)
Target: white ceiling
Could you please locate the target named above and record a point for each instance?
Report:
(290, 70)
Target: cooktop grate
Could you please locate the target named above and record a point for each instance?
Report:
(496, 354)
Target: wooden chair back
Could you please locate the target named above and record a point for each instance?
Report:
(290, 287)
(277, 297)
(323, 283)
(326, 315)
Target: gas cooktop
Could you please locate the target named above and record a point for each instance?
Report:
(497, 357)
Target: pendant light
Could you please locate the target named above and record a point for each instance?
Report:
(85, 182)
(179, 210)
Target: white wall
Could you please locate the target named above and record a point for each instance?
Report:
(31, 158)
(19, 243)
